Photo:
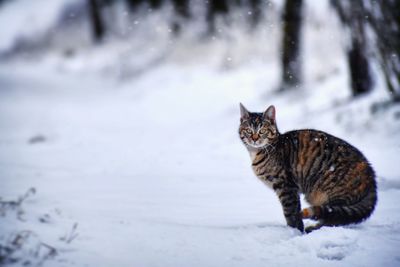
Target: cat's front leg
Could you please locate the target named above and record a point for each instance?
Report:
(290, 200)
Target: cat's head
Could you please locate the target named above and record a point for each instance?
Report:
(258, 130)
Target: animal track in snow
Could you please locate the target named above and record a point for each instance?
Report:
(333, 251)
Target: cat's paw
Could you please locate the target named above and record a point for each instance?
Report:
(300, 226)
(311, 228)
(297, 223)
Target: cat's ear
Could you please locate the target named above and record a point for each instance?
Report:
(269, 114)
(244, 113)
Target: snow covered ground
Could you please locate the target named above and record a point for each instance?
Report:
(151, 172)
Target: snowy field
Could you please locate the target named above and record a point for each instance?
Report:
(145, 168)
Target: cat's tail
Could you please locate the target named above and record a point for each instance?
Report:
(335, 214)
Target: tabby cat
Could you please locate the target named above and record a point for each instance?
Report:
(334, 176)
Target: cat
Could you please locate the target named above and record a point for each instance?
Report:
(335, 177)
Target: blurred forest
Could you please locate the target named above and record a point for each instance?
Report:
(361, 19)
(381, 19)
(371, 27)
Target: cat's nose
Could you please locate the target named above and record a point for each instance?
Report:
(255, 137)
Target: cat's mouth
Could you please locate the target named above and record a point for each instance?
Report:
(257, 145)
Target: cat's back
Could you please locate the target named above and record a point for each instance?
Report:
(316, 157)
(313, 143)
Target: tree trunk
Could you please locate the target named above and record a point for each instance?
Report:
(256, 12)
(96, 21)
(215, 7)
(361, 81)
(155, 3)
(352, 14)
(386, 24)
(133, 4)
(291, 65)
(181, 8)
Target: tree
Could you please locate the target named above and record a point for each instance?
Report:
(155, 3)
(256, 12)
(96, 20)
(133, 4)
(181, 8)
(352, 14)
(291, 65)
(216, 7)
(384, 19)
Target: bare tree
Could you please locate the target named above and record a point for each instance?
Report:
(291, 65)
(133, 4)
(215, 8)
(256, 11)
(352, 15)
(155, 3)
(384, 19)
(181, 8)
(97, 23)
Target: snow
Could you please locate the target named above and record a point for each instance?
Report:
(149, 167)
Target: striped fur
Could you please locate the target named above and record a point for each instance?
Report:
(334, 176)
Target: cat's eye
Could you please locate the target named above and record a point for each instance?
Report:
(263, 131)
(248, 131)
